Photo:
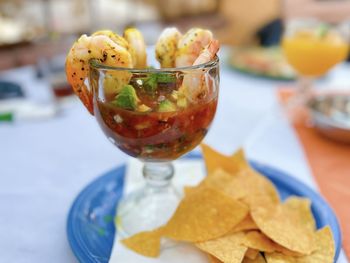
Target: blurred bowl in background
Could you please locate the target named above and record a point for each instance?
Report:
(53, 70)
(330, 115)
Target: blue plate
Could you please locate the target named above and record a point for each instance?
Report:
(90, 226)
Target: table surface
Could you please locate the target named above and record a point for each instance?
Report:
(45, 164)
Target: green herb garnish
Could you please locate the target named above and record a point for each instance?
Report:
(322, 30)
(166, 78)
(151, 83)
(127, 98)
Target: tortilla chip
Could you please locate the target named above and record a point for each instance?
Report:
(213, 259)
(286, 224)
(324, 252)
(287, 252)
(146, 243)
(246, 224)
(204, 214)
(251, 253)
(303, 205)
(189, 189)
(258, 241)
(231, 164)
(243, 185)
(226, 249)
(259, 259)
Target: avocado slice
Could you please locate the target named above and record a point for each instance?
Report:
(181, 98)
(126, 98)
(166, 106)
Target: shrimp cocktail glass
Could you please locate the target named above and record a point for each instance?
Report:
(153, 114)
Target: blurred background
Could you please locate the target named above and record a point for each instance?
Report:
(36, 29)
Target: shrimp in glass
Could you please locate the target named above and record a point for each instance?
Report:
(113, 36)
(166, 47)
(190, 46)
(137, 47)
(99, 47)
(195, 86)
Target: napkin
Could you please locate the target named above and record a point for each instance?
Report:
(330, 165)
(187, 172)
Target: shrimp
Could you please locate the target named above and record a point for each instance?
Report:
(190, 45)
(113, 36)
(166, 47)
(137, 47)
(195, 86)
(99, 47)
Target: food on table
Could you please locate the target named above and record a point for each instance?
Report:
(137, 47)
(252, 255)
(258, 259)
(148, 128)
(121, 41)
(267, 62)
(149, 114)
(190, 45)
(102, 48)
(146, 243)
(166, 47)
(196, 223)
(312, 52)
(246, 224)
(226, 248)
(249, 226)
(324, 251)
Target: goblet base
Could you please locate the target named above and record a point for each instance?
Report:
(146, 209)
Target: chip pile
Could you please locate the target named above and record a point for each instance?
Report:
(235, 215)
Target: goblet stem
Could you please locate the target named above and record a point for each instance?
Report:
(304, 87)
(296, 104)
(158, 175)
(151, 206)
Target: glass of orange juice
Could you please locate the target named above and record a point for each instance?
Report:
(312, 48)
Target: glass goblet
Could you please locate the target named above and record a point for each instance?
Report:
(312, 47)
(156, 116)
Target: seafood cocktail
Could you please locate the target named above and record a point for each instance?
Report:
(153, 114)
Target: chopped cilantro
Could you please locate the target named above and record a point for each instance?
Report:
(322, 30)
(166, 78)
(152, 81)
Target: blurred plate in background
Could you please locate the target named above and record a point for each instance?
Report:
(330, 115)
(268, 62)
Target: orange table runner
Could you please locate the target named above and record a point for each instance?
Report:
(330, 165)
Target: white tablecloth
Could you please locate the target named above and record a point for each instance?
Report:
(44, 165)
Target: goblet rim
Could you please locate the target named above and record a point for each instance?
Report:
(94, 63)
